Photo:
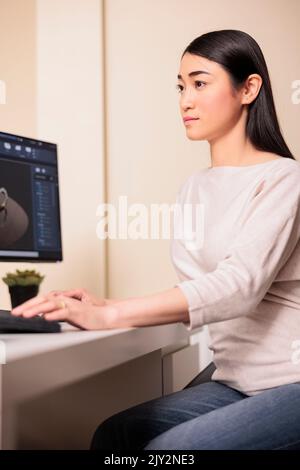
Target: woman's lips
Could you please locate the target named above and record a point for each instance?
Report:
(189, 121)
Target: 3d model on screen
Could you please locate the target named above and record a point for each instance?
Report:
(13, 220)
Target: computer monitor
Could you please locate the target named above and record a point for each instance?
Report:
(30, 228)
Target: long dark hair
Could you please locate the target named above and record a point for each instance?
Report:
(240, 55)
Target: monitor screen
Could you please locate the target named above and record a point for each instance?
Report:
(30, 228)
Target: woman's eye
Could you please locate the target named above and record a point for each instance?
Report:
(197, 82)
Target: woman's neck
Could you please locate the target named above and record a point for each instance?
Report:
(234, 148)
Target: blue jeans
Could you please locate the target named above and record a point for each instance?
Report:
(207, 416)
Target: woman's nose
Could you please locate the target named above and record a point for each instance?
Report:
(187, 101)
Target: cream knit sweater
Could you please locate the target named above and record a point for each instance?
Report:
(240, 272)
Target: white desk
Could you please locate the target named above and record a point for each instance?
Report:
(39, 363)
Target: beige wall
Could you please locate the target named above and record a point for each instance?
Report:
(52, 63)
(18, 65)
(70, 112)
(149, 155)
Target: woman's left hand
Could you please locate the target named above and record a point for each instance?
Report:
(63, 308)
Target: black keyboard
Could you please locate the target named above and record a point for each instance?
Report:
(12, 324)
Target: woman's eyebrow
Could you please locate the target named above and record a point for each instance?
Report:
(196, 72)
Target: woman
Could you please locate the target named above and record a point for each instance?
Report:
(243, 281)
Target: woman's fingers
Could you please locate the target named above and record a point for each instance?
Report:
(35, 302)
(71, 311)
(55, 292)
(75, 293)
(58, 308)
(56, 315)
(39, 299)
(45, 307)
(42, 305)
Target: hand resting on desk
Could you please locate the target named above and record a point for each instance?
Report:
(77, 307)
(80, 294)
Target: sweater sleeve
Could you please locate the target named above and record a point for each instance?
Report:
(266, 236)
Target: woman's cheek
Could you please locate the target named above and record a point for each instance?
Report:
(220, 109)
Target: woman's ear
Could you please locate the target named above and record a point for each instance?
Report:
(251, 88)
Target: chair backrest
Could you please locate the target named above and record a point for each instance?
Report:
(204, 376)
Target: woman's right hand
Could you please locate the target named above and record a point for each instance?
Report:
(80, 294)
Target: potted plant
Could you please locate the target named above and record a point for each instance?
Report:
(22, 285)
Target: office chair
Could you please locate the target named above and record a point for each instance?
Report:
(203, 376)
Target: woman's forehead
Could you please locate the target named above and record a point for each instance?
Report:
(191, 63)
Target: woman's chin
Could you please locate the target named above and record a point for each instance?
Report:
(195, 136)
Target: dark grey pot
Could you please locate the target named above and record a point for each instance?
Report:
(19, 294)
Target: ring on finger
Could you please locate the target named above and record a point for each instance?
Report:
(62, 304)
